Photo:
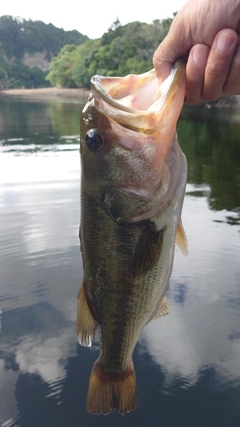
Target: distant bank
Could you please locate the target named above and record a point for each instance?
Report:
(50, 93)
(80, 95)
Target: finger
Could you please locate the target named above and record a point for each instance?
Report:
(219, 63)
(175, 45)
(163, 59)
(195, 71)
(232, 84)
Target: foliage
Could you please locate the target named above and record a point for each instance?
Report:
(3, 74)
(75, 58)
(19, 36)
(60, 73)
(85, 63)
(120, 51)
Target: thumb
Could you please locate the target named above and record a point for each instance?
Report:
(177, 43)
(164, 57)
(167, 53)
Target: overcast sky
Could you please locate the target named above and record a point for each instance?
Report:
(92, 17)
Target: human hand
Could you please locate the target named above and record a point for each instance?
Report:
(206, 33)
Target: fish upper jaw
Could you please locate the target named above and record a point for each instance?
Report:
(140, 102)
(129, 92)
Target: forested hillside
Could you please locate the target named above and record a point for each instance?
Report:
(34, 54)
(26, 49)
(121, 50)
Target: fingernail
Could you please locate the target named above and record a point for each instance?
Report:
(199, 54)
(224, 41)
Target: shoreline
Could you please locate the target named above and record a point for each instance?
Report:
(48, 94)
(80, 95)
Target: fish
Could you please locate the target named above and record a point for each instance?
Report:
(133, 178)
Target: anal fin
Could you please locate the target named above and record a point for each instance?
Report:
(86, 325)
(162, 310)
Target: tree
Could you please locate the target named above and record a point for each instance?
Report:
(19, 36)
(120, 51)
(85, 64)
(60, 73)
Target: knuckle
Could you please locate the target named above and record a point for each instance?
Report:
(156, 58)
(215, 71)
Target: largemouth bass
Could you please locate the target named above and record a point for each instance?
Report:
(133, 182)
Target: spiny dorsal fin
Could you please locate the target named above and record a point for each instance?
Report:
(162, 310)
(181, 239)
(86, 325)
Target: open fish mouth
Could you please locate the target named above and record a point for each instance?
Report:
(138, 102)
(137, 115)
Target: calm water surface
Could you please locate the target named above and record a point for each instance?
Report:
(187, 363)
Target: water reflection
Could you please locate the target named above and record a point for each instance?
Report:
(202, 318)
(187, 364)
(211, 144)
(35, 119)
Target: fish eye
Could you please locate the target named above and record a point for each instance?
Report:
(94, 140)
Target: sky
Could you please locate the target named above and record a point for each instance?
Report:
(91, 18)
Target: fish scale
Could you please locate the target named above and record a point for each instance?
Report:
(133, 182)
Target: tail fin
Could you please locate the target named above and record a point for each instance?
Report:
(111, 391)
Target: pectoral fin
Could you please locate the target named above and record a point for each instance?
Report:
(181, 239)
(86, 325)
(148, 249)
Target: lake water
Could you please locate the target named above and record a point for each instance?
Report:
(187, 363)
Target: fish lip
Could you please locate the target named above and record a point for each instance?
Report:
(98, 85)
(137, 120)
(109, 96)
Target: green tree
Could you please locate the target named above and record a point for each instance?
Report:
(120, 51)
(60, 73)
(3, 74)
(19, 36)
(85, 64)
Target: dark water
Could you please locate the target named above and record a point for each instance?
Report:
(187, 363)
